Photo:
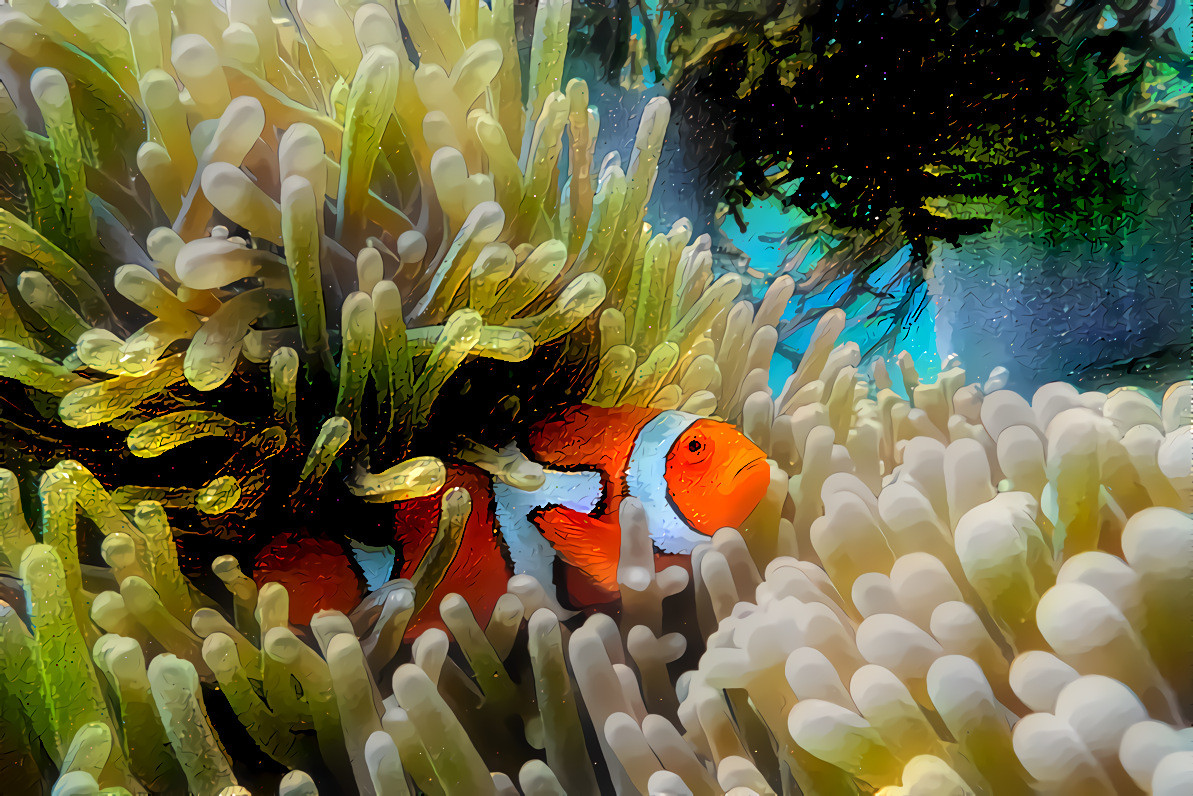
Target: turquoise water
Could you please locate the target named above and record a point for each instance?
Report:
(636, 29)
(766, 224)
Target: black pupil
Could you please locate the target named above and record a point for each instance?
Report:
(693, 446)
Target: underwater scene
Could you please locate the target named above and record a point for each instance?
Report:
(666, 397)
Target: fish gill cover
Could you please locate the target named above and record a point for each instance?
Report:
(320, 291)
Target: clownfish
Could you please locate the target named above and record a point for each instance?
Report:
(693, 475)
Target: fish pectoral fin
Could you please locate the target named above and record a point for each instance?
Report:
(590, 543)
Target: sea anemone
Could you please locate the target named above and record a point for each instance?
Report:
(962, 620)
(310, 200)
(346, 245)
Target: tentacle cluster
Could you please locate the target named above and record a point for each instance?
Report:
(967, 592)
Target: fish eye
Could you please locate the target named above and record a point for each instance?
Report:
(694, 446)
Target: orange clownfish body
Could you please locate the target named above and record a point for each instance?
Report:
(693, 475)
